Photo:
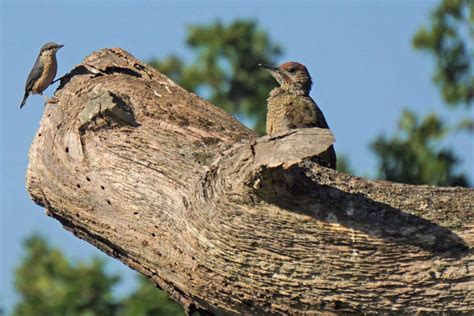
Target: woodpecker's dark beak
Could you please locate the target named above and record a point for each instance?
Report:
(276, 73)
(269, 67)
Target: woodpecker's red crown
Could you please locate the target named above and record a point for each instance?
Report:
(293, 67)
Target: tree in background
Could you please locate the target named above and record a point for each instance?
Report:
(147, 300)
(225, 70)
(447, 40)
(49, 284)
(452, 26)
(343, 164)
(414, 157)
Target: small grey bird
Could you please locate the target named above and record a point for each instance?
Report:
(290, 106)
(43, 72)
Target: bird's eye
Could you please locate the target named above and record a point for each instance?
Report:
(292, 69)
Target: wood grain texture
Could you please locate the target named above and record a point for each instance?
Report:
(229, 223)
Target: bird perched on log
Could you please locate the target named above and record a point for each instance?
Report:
(290, 106)
(43, 71)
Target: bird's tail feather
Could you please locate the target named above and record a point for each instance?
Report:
(24, 99)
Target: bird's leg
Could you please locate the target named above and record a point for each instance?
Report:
(58, 79)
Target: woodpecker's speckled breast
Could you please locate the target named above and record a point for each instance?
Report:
(287, 111)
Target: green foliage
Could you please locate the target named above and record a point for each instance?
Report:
(49, 284)
(447, 39)
(413, 157)
(466, 124)
(225, 69)
(149, 301)
(343, 165)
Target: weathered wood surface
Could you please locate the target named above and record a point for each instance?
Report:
(234, 224)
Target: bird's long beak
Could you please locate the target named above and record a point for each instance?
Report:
(269, 67)
(276, 73)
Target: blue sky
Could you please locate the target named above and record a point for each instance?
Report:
(358, 52)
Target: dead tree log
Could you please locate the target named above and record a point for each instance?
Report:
(229, 223)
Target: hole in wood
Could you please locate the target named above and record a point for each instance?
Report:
(247, 303)
(67, 149)
(135, 213)
(153, 234)
(109, 202)
(102, 187)
(78, 186)
(88, 179)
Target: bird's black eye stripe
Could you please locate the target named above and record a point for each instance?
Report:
(292, 69)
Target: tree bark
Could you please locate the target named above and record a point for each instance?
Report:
(229, 223)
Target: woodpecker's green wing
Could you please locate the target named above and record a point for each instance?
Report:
(34, 75)
(303, 112)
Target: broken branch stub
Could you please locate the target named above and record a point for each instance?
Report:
(229, 223)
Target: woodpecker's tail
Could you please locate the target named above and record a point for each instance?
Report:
(24, 99)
